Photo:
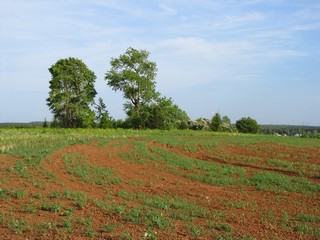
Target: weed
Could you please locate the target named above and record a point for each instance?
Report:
(21, 169)
(238, 205)
(78, 166)
(248, 159)
(80, 198)
(67, 224)
(108, 228)
(18, 226)
(178, 215)
(133, 216)
(50, 175)
(125, 236)
(308, 218)
(51, 207)
(194, 229)
(137, 154)
(90, 233)
(187, 209)
(269, 216)
(150, 235)
(45, 227)
(136, 183)
(123, 194)
(285, 217)
(55, 194)
(157, 202)
(68, 212)
(28, 209)
(2, 217)
(281, 163)
(101, 204)
(248, 238)
(87, 221)
(305, 228)
(222, 227)
(157, 219)
(19, 193)
(38, 195)
(119, 209)
(4, 193)
(273, 181)
(204, 171)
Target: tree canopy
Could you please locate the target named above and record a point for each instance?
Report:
(247, 125)
(216, 122)
(103, 119)
(72, 93)
(164, 114)
(134, 74)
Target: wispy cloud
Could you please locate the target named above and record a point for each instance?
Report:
(167, 9)
(306, 27)
(195, 42)
(238, 20)
(307, 12)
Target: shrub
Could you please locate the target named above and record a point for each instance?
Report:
(247, 125)
(199, 124)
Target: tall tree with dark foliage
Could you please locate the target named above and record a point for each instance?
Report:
(72, 93)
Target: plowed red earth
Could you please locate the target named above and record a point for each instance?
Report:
(255, 217)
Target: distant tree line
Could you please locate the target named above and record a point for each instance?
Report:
(291, 130)
(72, 98)
(220, 123)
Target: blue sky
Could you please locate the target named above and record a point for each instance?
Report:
(257, 58)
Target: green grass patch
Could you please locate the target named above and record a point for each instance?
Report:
(18, 226)
(137, 154)
(28, 209)
(109, 228)
(79, 166)
(308, 218)
(80, 198)
(268, 181)
(156, 219)
(51, 207)
(4, 193)
(203, 171)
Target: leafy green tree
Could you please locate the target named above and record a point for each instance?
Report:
(225, 119)
(72, 93)
(102, 115)
(166, 115)
(226, 125)
(118, 123)
(247, 125)
(134, 74)
(216, 122)
(54, 123)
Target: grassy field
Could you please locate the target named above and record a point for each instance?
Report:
(127, 184)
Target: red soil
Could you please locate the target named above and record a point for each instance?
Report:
(256, 216)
